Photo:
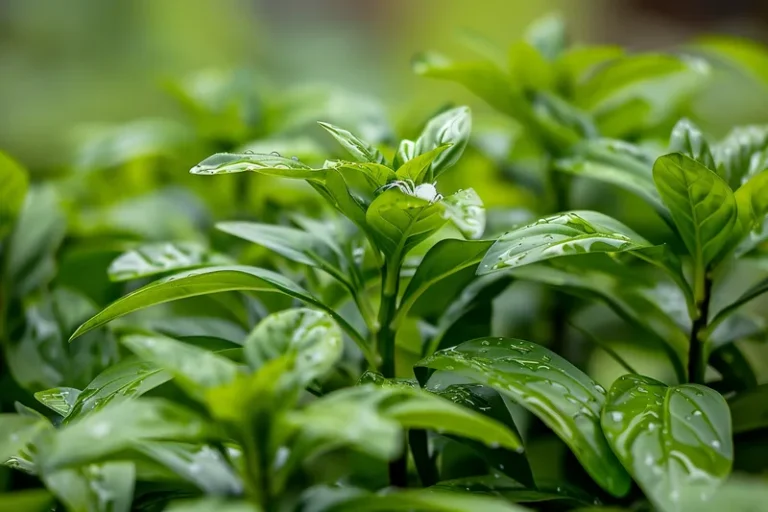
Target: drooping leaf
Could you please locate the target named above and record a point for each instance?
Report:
(673, 440)
(688, 140)
(194, 369)
(13, 189)
(204, 281)
(120, 426)
(566, 399)
(700, 203)
(400, 221)
(199, 464)
(451, 127)
(311, 336)
(271, 165)
(95, 488)
(749, 409)
(59, 400)
(444, 259)
(564, 234)
(619, 163)
(362, 151)
(125, 380)
(153, 259)
(465, 209)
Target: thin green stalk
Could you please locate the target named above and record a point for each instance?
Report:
(697, 361)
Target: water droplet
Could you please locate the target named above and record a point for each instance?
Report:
(617, 415)
(275, 153)
(697, 413)
(715, 444)
(485, 343)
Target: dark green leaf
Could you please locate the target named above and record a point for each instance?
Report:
(34, 500)
(312, 337)
(749, 409)
(153, 259)
(513, 491)
(118, 427)
(425, 499)
(564, 234)
(700, 203)
(209, 504)
(362, 151)
(13, 189)
(566, 399)
(673, 440)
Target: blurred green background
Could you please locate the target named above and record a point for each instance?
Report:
(67, 65)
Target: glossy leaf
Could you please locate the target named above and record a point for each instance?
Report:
(673, 440)
(465, 209)
(566, 399)
(515, 492)
(564, 234)
(400, 221)
(208, 504)
(361, 151)
(700, 203)
(416, 167)
(311, 336)
(95, 488)
(119, 427)
(735, 153)
(688, 140)
(749, 409)
(150, 260)
(16, 431)
(445, 258)
(451, 127)
(125, 380)
(271, 165)
(59, 400)
(194, 369)
(13, 189)
(736, 495)
(200, 464)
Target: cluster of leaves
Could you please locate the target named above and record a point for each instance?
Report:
(361, 367)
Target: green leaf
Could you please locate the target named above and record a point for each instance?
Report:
(194, 369)
(736, 495)
(118, 427)
(566, 399)
(95, 488)
(16, 431)
(548, 36)
(400, 221)
(362, 151)
(700, 203)
(618, 163)
(199, 464)
(34, 500)
(208, 504)
(13, 189)
(153, 259)
(415, 167)
(465, 209)
(453, 128)
(425, 499)
(563, 234)
(445, 258)
(752, 206)
(125, 380)
(752, 293)
(749, 409)
(59, 400)
(270, 165)
(673, 440)
(735, 153)
(312, 337)
(532, 71)
(515, 492)
(291, 243)
(688, 140)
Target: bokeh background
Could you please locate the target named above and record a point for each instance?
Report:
(67, 65)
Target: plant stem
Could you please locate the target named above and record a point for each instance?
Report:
(697, 363)
(385, 342)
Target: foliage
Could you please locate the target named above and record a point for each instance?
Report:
(362, 350)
